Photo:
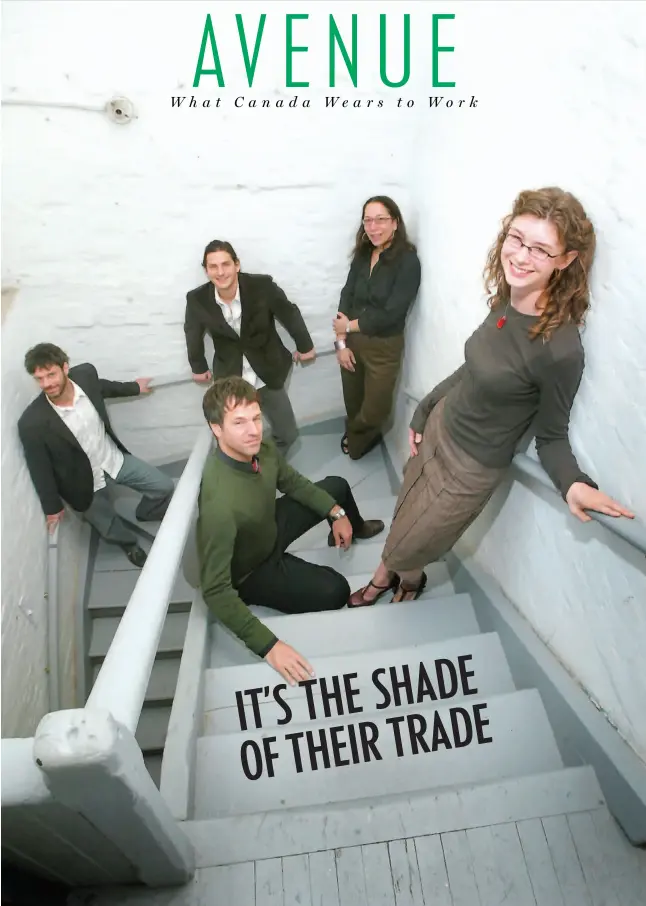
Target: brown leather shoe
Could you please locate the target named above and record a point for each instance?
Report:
(369, 529)
(357, 598)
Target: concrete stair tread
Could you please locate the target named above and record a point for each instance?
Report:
(286, 832)
(359, 629)
(111, 591)
(171, 640)
(317, 456)
(152, 728)
(110, 557)
(481, 654)
(163, 679)
(515, 740)
(126, 507)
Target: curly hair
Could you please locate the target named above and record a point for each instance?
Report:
(567, 295)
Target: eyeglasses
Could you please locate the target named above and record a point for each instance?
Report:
(538, 254)
(378, 221)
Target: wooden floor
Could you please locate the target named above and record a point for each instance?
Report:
(578, 860)
(574, 860)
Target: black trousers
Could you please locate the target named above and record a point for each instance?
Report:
(289, 584)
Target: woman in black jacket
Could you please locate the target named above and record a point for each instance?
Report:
(382, 284)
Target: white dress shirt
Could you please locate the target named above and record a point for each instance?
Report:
(85, 424)
(232, 312)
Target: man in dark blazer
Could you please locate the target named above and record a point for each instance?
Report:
(239, 312)
(73, 454)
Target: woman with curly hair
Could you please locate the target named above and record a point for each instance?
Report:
(522, 367)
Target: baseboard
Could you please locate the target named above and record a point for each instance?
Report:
(582, 732)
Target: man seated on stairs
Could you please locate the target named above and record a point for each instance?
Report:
(73, 454)
(243, 531)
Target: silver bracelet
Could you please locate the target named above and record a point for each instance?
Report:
(339, 344)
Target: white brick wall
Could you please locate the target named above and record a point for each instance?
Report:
(565, 92)
(104, 228)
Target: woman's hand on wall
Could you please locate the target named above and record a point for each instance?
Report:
(345, 358)
(582, 497)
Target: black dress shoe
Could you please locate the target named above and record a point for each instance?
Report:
(137, 555)
(369, 529)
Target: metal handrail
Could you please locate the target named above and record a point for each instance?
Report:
(630, 530)
(171, 380)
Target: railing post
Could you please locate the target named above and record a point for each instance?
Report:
(94, 766)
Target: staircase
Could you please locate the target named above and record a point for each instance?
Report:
(411, 773)
(108, 591)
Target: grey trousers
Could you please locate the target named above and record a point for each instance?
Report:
(277, 408)
(155, 485)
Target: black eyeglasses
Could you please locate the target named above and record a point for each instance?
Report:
(538, 254)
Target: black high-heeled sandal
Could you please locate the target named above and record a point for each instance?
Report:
(344, 445)
(416, 590)
(357, 598)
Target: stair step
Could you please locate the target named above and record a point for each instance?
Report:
(153, 727)
(516, 741)
(111, 591)
(267, 835)
(362, 557)
(163, 679)
(379, 508)
(126, 507)
(318, 456)
(154, 765)
(170, 643)
(110, 557)
(353, 630)
(485, 658)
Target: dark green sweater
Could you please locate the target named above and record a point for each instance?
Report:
(507, 383)
(236, 532)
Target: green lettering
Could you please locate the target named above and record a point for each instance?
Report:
(437, 50)
(351, 65)
(200, 71)
(250, 67)
(290, 49)
(382, 52)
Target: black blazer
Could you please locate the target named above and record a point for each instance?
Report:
(59, 468)
(262, 302)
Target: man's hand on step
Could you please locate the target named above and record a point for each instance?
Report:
(291, 665)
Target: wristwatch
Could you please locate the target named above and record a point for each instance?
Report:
(338, 515)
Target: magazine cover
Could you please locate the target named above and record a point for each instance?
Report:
(323, 444)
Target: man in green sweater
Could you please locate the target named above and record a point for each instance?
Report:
(243, 530)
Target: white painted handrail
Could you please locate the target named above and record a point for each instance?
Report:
(171, 380)
(120, 687)
(630, 530)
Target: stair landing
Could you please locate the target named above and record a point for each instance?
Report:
(563, 860)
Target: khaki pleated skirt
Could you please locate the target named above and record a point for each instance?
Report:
(443, 491)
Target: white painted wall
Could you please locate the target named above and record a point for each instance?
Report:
(104, 226)
(565, 90)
